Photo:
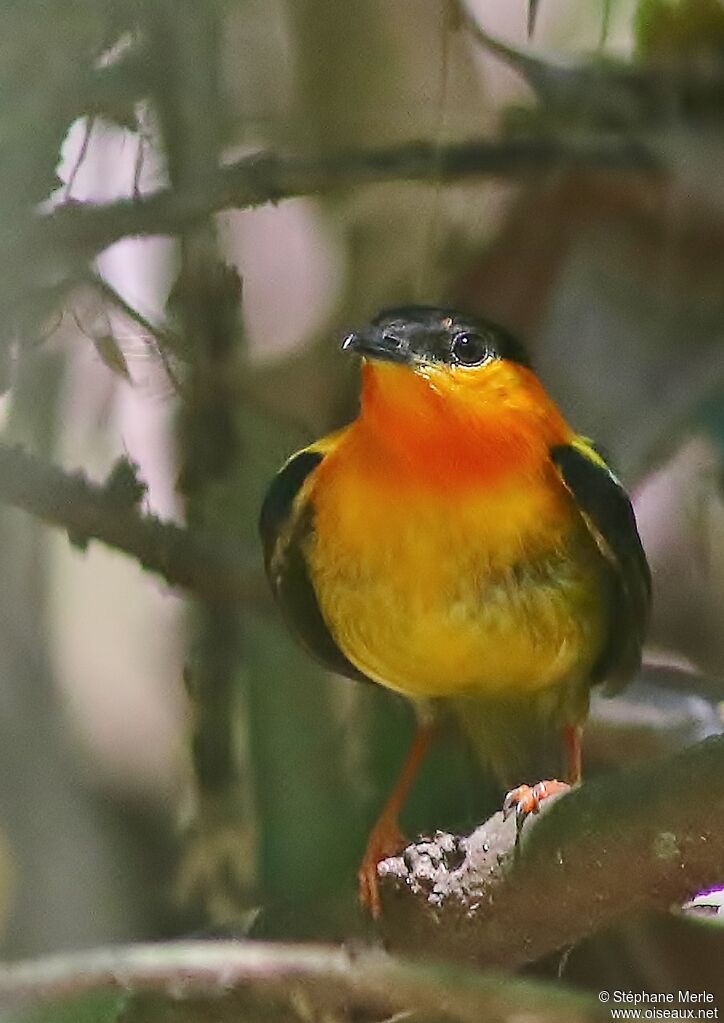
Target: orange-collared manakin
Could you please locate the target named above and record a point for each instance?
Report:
(460, 544)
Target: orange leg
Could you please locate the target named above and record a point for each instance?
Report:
(526, 799)
(386, 839)
(572, 743)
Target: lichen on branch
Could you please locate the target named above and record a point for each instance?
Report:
(648, 838)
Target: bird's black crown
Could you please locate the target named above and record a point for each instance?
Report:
(431, 334)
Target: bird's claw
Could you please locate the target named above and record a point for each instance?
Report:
(385, 840)
(526, 799)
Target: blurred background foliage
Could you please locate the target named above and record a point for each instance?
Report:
(134, 805)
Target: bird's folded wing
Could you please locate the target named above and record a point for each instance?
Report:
(609, 517)
(285, 524)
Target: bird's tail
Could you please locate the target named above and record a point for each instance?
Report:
(520, 740)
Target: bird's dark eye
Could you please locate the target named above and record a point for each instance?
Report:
(469, 349)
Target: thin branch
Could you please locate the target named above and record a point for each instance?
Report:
(213, 978)
(608, 93)
(268, 177)
(643, 839)
(540, 74)
(162, 340)
(82, 153)
(138, 165)
(184, 558)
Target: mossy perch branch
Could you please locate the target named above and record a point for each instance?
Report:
(644, 839)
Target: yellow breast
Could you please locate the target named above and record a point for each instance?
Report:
(439, 592)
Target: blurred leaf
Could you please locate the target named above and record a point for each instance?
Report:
(678, 28)
(96, 1007)
(710, 415)
(112, 356)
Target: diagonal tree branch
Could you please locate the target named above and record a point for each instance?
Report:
(648, 838)
(230, 980)
(269, 177)
(88, 511)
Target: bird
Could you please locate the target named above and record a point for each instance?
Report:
(460, 544)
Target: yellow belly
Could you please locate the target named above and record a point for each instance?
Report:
(495, 595)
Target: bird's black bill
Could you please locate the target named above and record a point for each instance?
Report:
(378, 344)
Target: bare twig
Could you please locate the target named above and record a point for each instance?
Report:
(222, 977)
(645, 839)
(185, 558)
(138, 165)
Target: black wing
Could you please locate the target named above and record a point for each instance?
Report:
(610, 519)
(285, 523)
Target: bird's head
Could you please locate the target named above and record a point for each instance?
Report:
(429, 359)
(435, 343)
(440, 380)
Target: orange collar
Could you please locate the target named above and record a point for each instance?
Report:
(454, 427)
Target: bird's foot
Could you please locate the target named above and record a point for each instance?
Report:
(526, 799)
(385, 840)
